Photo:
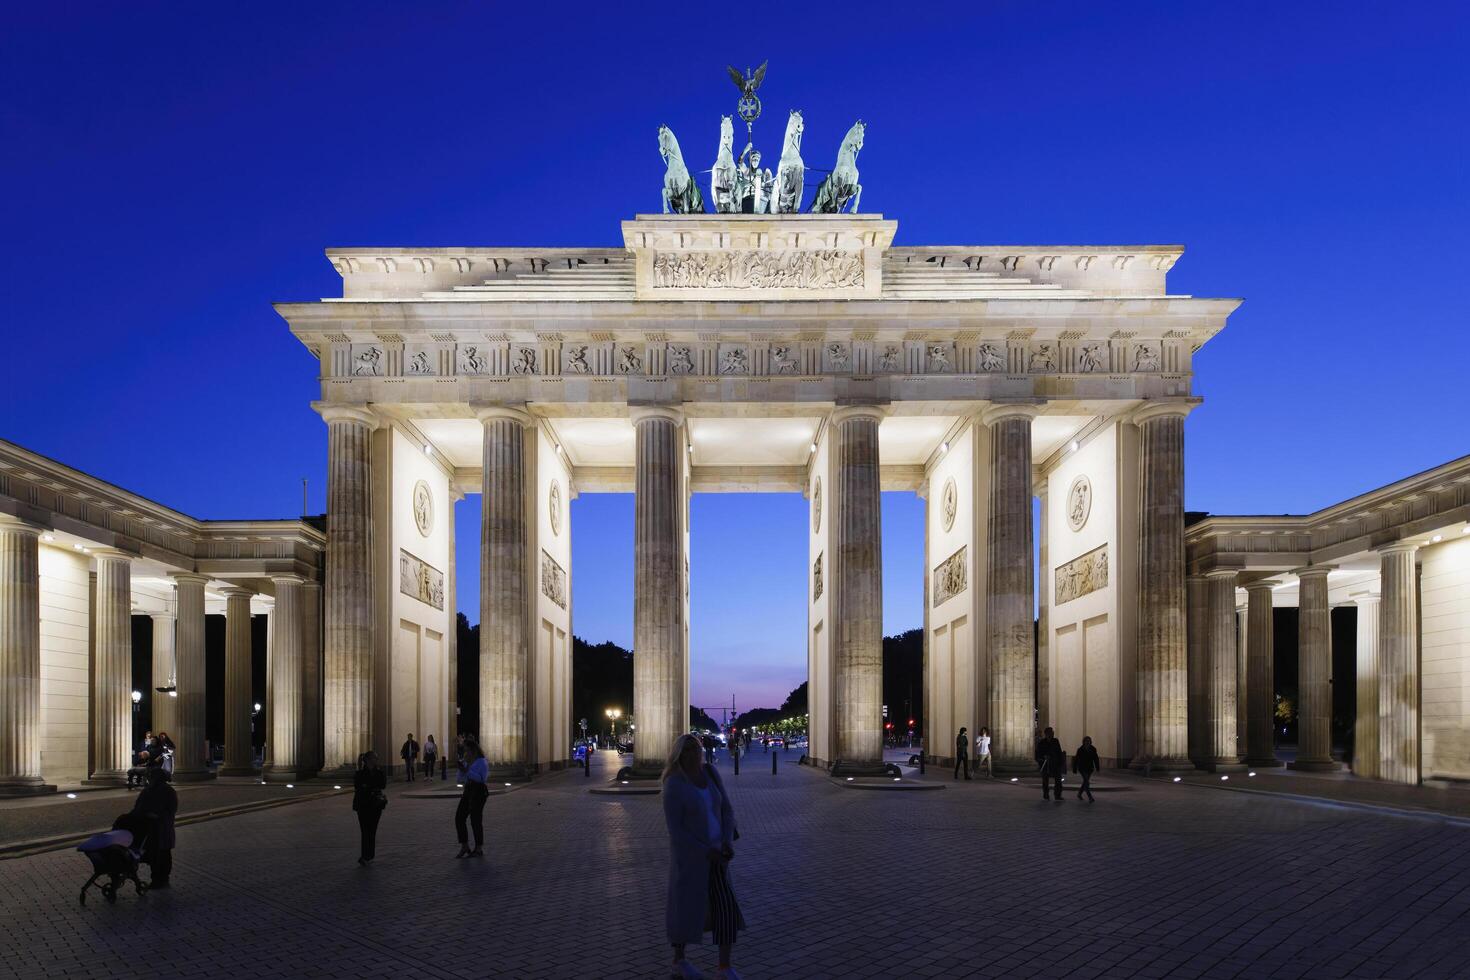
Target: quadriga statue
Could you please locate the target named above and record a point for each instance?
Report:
(841, 185)
(790, 172)
(681, 193)
(722, 178)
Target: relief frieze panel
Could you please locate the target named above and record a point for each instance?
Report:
(801, 269)
(950, 577)
(1082, 575)
(553, 580)
(419, 580)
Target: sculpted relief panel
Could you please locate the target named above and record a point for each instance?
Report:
(827, 269)
(949, 577)
(553, 580)
(1082, 575)
(419, 580)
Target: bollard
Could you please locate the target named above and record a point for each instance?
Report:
(921, 763)
(735, 754)
(774, 757)
(587, 765)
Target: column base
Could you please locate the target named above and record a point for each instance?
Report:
(864, 767)
(192, 776)
(516, 772)
(1014, 767)
(641, 773)
(250, 771)
(1164, 767)
(1314, 765)
(278, 774)
(1226, 765)
(106, 779)
(25, 787)
(1269, 762)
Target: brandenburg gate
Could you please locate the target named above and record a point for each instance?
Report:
(763, 352)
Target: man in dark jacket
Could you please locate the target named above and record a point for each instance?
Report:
(962, 752)
(1084, 764)
(1050, 760)
(159, 804)
(410, 755)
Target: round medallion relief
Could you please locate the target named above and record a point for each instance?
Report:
(1079, 502)
(949, 502)
(817, 505)
(423, 508)
(553, 504)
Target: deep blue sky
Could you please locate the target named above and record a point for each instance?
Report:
(168, 171)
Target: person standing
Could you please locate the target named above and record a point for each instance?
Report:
(410, 754)
(701, 825)
(472, 801)
(159, 804)
(369, 799)
(1084, 764)
(982, 752)
(962, 752)
(1050, 760)
(431, 752)
(459, 760)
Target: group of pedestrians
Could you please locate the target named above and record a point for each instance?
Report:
(156, 752)
(1051, 761)
(370, 793)
(410, 753)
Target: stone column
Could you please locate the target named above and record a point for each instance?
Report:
(164, 715)
(267, 703)
(1222, 663)
(1260, 740)
(348, 661)
(112, 697)
(1366, 762)
(239, 753)
(1043, 603)
(190, 762)
(285, 689)
(1163, 671)
(1242, 659)
(857, 592)
(660, 695)
(1314, 671)
(20, 659)
(1008, 598)
(505, 639)
(452, 640)
(310, 751)
(1398, 665)
(1201, 739)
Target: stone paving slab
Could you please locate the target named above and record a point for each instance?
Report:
(1153, 880)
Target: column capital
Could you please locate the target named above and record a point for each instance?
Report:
(1196, 578)
(1154, 408)
(111, 554)
(1219, 573)
(643, 413)
(237, 592)
(1397, 548)
(188, 578)
(287, 578)
(164, 615)
(346, 413)
(9, 522)
(844, 412)
(997, 411)
(491, 413)
(1365, 598)
(1307, 571)
(1262, 584)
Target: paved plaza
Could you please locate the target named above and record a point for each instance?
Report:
(983, 879)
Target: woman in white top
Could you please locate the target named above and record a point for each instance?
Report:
(982, 752)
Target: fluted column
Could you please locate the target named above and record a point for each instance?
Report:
(239, 752)
(190, 762)
(505, 636)
(451, 597)
(310, 752)
(1009, 595)
(285, 690)
(857, 591)
(20, 659)
(348, 660)
(163, 714)
(1043, 615)
(1314, 671)
(1221, 662)
(1398, 665)
(1366, 762)
(1201, 740)
(112, 694)
(1242, 659)
(1163, 671)
(660, 663)
(1260, 740)
(267, 703)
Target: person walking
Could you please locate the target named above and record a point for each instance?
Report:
(701, 825)
(962, 752)
(472, 801)
(431, 752)
(1084, 764)
(459, 760)
(369, 799)
(982, 752)
(410, 754)
(159, 805)
(1050, 760)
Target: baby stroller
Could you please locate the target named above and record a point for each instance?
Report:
(115, 855)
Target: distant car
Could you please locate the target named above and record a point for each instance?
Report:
(776, 741)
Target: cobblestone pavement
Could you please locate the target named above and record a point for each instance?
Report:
(983, 879)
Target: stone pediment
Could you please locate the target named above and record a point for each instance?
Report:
(758, 257)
